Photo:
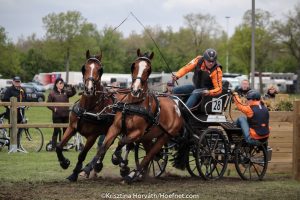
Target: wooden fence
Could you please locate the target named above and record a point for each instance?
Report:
(284, 138)
(13, 119)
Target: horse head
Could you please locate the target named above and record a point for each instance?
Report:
(92, 71)
(140, 72)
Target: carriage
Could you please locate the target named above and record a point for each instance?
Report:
(209, 142)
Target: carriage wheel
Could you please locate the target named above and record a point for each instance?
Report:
(191, 166)
(156, 166)
(212, 157)
(251, 161)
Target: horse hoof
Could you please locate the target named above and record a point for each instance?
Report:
(127, 179)
(98, 167)
(93, 175)
(84, 174)
(115, 160)
(124, 171)
(130, 177)
(72, 177)
(65, 163)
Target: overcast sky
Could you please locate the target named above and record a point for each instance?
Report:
(24, 17)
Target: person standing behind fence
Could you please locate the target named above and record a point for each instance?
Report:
(271, 92)
(15, 91)
(244, 88)
(59, 114)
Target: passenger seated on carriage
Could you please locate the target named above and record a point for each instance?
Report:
(207, 77)
(256, 125)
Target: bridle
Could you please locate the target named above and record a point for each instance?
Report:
(94, 81)
(140, 90)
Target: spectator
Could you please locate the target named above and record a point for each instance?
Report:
(59, 114)
(243, 89)
(271, 92)
(15, 91)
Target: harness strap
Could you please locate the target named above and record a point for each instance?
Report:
(133, 109)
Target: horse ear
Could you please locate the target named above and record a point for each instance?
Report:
(151, 55)
(138, 52)
(132, 68)
(83, 70)
(87, 55)
(100, 71)
(99, 56)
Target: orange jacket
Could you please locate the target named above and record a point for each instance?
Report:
(246, 109)
(216, 75)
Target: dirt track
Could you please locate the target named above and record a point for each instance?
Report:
(113, 188)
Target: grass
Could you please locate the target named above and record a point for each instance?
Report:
(39, 176)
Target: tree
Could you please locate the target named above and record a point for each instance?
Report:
(9, 57)
(64, 28)
(202, 27)
(288, 33)
(264, 43)
(112, 46)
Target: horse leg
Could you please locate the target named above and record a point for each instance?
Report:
(88, 167)
(109, 139)
(138, 173)
(64, 162)
(116, 157)
(81, 157)
(124, 170)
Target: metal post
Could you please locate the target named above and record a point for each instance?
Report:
(253, 46)
(227, 53)
(13, 121)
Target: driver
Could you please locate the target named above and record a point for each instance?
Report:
(207, 77)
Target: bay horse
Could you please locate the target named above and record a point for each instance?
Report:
(95, 98)
(141, 116)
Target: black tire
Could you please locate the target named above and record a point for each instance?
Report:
(157, 166)
(212, 154)
(31, 140)
(251, 161)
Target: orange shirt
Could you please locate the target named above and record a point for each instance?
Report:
(246, 109)
(216, 75)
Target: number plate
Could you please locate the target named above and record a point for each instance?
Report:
(216, 105)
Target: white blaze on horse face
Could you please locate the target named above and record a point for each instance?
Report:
(177, 110)
(90, 82)
(137, 82)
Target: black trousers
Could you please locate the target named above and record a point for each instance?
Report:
(57, 131)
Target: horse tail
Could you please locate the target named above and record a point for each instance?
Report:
(181, 157)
